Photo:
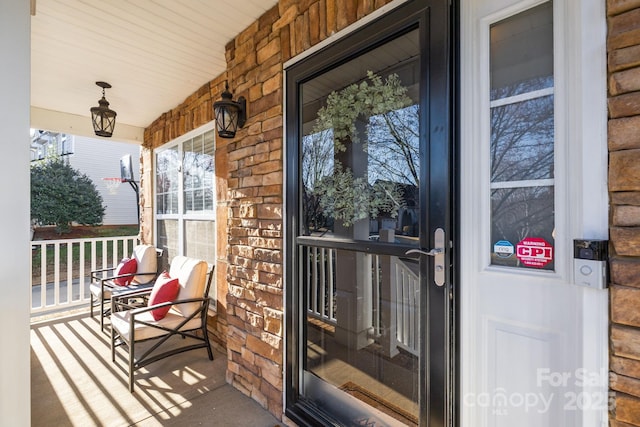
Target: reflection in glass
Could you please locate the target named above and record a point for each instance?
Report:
(359, 171)
(522, 140)
(360, 163)
(522, 143)
(167, 167)
(519, 213)
(167, 238)
(198, 175)
(522, 52)
(363, 355)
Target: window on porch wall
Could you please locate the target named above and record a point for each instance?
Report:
(185, 198)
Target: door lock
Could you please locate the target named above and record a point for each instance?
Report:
(438, 256)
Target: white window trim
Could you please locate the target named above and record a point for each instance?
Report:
(527, 96)
(482, 164)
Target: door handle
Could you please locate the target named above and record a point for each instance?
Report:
(437, 253)
(433, 252)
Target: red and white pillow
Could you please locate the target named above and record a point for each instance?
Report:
(165, 289)
(126, 266)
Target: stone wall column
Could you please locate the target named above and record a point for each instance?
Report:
(623, 46)
(249, 184)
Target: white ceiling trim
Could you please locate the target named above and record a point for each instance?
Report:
(73, 124)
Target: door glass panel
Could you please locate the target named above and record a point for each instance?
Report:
(522, 140)
(360, 147)
(360, 163)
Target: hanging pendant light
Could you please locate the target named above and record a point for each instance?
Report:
(104, 119)
(230, 115)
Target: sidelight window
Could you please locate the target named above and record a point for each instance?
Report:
(522, 142)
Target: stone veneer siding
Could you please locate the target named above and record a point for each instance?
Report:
(623, 46)
(249, 181)
(249, 185)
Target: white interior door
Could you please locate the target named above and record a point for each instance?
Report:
(533, 344)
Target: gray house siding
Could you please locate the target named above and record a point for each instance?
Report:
(99, 158)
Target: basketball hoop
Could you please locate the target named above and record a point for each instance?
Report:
(112, 184)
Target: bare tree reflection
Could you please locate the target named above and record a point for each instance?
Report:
(394, 146)
(522, 150)
(317, 163)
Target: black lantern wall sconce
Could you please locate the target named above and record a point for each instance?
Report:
(103, 118)
(230, 115)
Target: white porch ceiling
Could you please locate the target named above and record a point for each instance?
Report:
(154, 53)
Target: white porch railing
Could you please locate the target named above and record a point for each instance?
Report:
(61, 269)
(319, 278)
(392, 299)
(406, 284)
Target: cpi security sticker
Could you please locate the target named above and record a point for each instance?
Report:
(534, 252)
(503, 248)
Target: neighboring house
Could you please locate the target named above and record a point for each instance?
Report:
(81, 153)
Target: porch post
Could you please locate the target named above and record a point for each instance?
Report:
(388, 323)
(353, 269)
(15, 29)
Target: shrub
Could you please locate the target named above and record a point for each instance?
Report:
(62, 195)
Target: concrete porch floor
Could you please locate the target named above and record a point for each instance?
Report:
(75, 383)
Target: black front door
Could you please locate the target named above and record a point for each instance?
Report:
(369, 221)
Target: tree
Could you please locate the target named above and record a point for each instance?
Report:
(61, 195)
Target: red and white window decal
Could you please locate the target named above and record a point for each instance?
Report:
(534, 252)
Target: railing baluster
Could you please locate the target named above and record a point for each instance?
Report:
(93, 255)
(69, 272)
(412, 311)
(376, 295)
(331, 285)
(114, 253)
(417, 293)
(314, 280)
(396, 308)
(307, 278)
(105, 253)
(367, 303)
(323, 283)
(407, 307)
(43, 275)
(81, 278)
(56, 273)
